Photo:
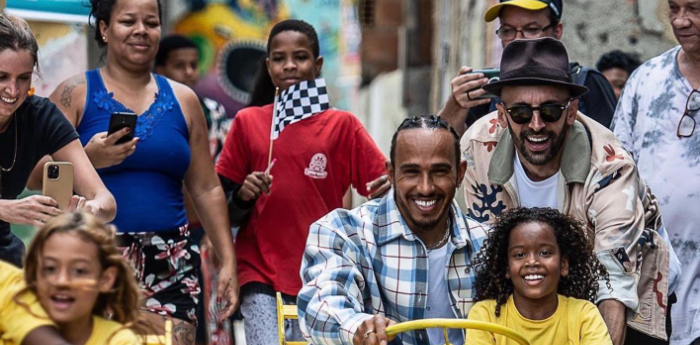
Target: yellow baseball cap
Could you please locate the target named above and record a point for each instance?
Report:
(533, 5)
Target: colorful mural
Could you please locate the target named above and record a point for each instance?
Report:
(62, 54)
(232, 36)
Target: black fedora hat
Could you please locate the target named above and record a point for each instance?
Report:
(540, 61)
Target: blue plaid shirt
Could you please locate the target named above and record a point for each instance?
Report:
(366, 261)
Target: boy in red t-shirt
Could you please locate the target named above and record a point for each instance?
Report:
(317, 160)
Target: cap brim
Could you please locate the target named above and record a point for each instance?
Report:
(495, 87)
(533, 5)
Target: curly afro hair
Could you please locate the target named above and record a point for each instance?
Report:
(584, 267)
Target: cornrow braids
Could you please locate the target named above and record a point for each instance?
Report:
(426, 122)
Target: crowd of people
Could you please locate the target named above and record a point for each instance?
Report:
(579, 206)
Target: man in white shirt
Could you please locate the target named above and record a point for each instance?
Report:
(656, 119)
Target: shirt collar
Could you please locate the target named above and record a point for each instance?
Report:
(389, 223)
(575, 161)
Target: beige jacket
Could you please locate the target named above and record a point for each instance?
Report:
(598, 184)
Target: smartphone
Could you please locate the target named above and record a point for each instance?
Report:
(58, 182)
(492, 74)
(119, 120)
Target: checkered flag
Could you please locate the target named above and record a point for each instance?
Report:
(298, 102)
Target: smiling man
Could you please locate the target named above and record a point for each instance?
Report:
(657, 121)
(403, 257)
(525, 19)
(537, 150)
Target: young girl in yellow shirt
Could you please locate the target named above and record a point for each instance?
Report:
(80, 279)
(537, 275)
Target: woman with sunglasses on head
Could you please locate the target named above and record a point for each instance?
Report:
(30, 128)
(147, 173)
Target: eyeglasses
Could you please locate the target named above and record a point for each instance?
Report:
(522, 113)
(509, 32)
(686, 126)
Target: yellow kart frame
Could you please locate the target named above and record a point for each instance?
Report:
(290, 312)
(455, 323)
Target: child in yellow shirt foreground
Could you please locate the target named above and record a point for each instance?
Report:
(537, 275)
(79, 277)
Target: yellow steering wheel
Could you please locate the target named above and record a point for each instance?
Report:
(455, 323)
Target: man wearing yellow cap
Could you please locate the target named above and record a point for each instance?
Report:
(525, 19)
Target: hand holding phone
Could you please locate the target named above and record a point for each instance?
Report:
(120, 120)
(491, 75)
(466, 88)
(58, 183)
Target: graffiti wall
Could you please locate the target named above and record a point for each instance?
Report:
(232, 37)
(62, 53)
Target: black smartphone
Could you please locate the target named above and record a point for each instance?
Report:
(119, 120)
(492, 74)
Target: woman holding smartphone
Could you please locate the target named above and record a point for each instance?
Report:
(146, 174)
(30, 128)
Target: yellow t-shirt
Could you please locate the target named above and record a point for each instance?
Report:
(15, 320)
(103, 329)
(575, 322)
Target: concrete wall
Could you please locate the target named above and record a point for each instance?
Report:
(594, 27)
(591, 28)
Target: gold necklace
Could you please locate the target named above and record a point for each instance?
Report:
(14, 158)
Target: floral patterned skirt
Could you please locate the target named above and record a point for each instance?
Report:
(166, 266)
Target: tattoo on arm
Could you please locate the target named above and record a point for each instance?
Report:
(66, 95)
(183, 332)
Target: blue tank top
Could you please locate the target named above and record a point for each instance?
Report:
(148, 184)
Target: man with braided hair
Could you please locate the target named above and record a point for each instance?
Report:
(386, 261)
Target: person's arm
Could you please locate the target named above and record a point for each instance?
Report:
(234, 165)
(45, 335)
(458, 104)
(22, 320)
(614, 316)
(99, 201)
(330, 302)
(238, 210)
(102, 149)
(203, 186)
(593, 329)
(600, 100)
(617, 213)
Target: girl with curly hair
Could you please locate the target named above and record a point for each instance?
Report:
(80, 279)
(537, 274)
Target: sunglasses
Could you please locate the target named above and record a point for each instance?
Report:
(522, 113)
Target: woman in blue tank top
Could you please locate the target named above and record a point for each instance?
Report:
(146, 174)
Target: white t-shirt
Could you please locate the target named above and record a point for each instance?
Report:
(535, 193)
(646, 122)
(438, 304)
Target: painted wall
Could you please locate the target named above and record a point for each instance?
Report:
(232, 36)
(62, 54)
(591, 28)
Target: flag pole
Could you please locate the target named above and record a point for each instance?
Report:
(272, 127)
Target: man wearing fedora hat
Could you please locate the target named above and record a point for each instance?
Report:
(537, 150)
(525, 19)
